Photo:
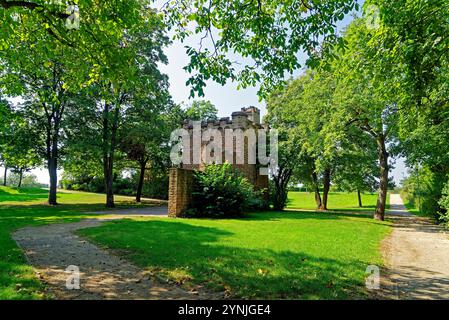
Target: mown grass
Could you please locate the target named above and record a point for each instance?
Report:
(338, 201)
(286, 255)
(271, 255)
(25, 207)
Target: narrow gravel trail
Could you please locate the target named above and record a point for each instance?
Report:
(416, 255)
(51, 249)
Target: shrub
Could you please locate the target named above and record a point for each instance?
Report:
(222, 191)
(444, 203)
(423, 190)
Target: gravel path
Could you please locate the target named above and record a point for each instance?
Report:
(417, 257)
(52, 248)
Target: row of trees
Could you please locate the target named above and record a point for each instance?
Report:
(384, 93)
(89, 77)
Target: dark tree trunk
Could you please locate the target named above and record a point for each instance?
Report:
(108, 178)
(359, 197)
(383, 179)
(143, 166)
(53, 172)
(317, 190)
(52, 158)
(326, 188)
(109, 145)
(20, 178)
(5, 176)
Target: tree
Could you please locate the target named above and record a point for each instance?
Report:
(311, 95)
(132, 89)
(20, 149)
(413, 34)
(5, 121)
(272, 40)
(147, 135)
(268, 35)
(201, 110)
(366, 99)
(357, 169)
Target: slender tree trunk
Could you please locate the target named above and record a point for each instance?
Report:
(5, 175)
(109, 145)
(108, 177)
(52, 139)
(317, 190)
(326, 188)
(383, 178)
(20, 178)
(359, 197)
(143, 165)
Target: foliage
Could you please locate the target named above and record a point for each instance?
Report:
(413, 35)
(201, 110)
(221, 191)
(29, 180)
(422, 190)
(155, 185)
(267, 35)
(444, 203)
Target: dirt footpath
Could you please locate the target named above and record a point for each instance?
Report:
(416, 255)
(53, 248)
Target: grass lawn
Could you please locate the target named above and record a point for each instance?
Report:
(24, 207)
(304, 255)
(288, 255)
(338, 201)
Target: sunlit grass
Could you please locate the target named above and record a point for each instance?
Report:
(338, 201)
(25, 207)
(270, 255)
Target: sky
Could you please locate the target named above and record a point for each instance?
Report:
(226, 98)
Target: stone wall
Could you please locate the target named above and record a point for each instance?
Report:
(180, 191)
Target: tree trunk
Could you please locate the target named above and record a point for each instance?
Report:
(317, 191)
(5, 176)
(53, 172)
(52, 158)
(20, 178)
(383, 179)
(109, 144)
(359, 197)
(143, 165)
(108, 178)
(326, 188)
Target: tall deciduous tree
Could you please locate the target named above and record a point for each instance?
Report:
(366, 98)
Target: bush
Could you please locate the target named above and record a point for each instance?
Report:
(222, 191)
(423, 190)
(444, 203)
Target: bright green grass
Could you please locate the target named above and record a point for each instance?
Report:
(338, 201)
(290, 255)
(24, 207)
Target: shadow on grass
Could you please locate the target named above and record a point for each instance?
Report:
(190, 254)
(22, 194)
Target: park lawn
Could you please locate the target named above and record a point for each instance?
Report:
(271, 255)
(26, 207)
(338, 201)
